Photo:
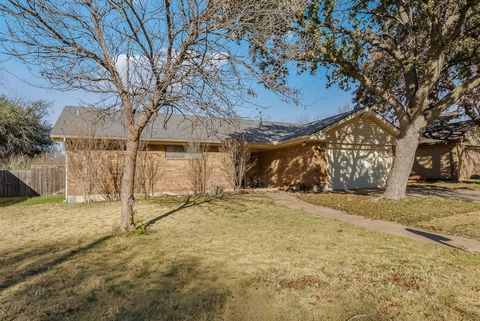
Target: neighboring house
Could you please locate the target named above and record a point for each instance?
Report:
(348, 150)
(449, 149)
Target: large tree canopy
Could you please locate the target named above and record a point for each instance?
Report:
(23, 129)
(416, 58)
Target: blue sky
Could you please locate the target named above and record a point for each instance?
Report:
(317, 100)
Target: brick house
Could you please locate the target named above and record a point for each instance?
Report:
(449, 149)
(350, 150)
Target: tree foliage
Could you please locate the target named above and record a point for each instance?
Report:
(416, 58)
(23, 129)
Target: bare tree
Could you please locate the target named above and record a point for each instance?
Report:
(110, 173)
(344, 108)
(144, 57)
(53, 156)
(149, 171)
(236, 162)
(84, 160)
(199, 168)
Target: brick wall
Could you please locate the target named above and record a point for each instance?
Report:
(172, 176)
(302, 165)
(441, 161)
(469, 166)
(435, 162)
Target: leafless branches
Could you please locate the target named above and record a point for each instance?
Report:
(149, 171)
(110, 171)
(144, 57)
(236, 162)
(94, 163)
(199, 167)
(84, 161)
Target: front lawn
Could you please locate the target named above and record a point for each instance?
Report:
(471, 184)
(232, 259)
(443, 215)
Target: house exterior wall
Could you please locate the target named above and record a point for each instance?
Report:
(359, 154)
(363, 130)
(437, 161)
(172, 175)
(469, 162)
(300, 166)
(440, 161)
(360, 148)
(365, 142)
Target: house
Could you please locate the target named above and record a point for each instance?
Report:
(449, 149)
(349, 150)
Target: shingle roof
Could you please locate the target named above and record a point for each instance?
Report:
(74, 122)
(445, 130)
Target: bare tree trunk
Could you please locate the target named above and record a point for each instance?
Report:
(405, 149)
(128, 182)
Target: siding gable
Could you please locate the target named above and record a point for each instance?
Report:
(362, 130)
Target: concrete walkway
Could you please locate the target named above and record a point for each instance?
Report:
(414, 233)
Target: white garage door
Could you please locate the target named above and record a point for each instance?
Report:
(358, 167)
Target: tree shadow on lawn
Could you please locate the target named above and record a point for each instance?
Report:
(39, 260)
(226, 202)
(433, 237)
(58, 277)
(235, 204)
(472, 185)
(105, 285)
(185, 291)
(188, 202)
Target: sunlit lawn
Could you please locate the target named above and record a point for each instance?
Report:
(237, 258)
(471, 184)
(433, 213)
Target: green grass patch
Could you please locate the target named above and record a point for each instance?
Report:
(415, 211)
(49, 199)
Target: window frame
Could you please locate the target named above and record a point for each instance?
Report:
(175, 154)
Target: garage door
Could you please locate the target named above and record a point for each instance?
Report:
(358, 166)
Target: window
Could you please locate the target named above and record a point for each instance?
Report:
(174, 151)
(179, 152)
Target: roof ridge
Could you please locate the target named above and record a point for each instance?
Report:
(242, 118)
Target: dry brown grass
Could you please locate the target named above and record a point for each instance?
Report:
(239, 258)
(471, 184)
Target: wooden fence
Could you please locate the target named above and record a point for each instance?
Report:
(39, 180)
